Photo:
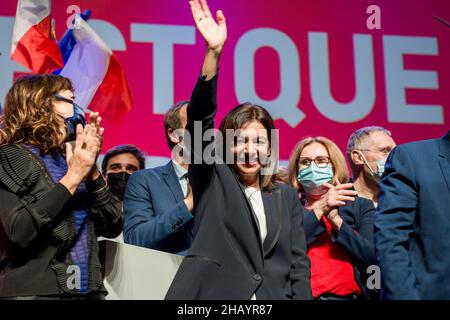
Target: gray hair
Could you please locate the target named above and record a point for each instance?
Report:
(359, 138)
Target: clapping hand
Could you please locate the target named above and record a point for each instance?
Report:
(82, 156)
(334, 198)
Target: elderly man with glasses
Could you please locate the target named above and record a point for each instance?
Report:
(367, 151)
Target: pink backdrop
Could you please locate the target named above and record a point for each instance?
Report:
(296, 22)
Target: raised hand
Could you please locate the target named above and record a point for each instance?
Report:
(214, 33)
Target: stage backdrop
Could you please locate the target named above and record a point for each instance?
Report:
(320, 67)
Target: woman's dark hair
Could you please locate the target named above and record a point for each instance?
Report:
(28, 115)
(243, 114)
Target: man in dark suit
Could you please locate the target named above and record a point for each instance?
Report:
(412, 223)
(158, 201)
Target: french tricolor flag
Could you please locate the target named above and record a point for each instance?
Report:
(95, 72)
(32, 42)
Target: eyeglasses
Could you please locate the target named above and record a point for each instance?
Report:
(78, 115)
(384, 151)
(320, 161)
(72, 102)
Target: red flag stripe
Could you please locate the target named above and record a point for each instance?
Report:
(113, 97)
(37, 51)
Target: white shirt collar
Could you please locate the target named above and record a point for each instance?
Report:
(179, 170)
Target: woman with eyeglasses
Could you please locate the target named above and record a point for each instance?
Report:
(54, 201)
(337, 223)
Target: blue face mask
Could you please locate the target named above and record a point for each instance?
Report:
(380, 167)
(73, 121)
(313, 177)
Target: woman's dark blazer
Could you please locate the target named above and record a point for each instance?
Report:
(227, 259)
(355, 235)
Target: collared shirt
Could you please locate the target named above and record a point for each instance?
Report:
(182, 175)
(255, 197)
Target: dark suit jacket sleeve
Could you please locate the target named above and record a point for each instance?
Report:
(395, 224)
(300, 271)
(142, 226)
(200, 113)
(105, 208)
(22, 223)
(359, 243)
(313, 227)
